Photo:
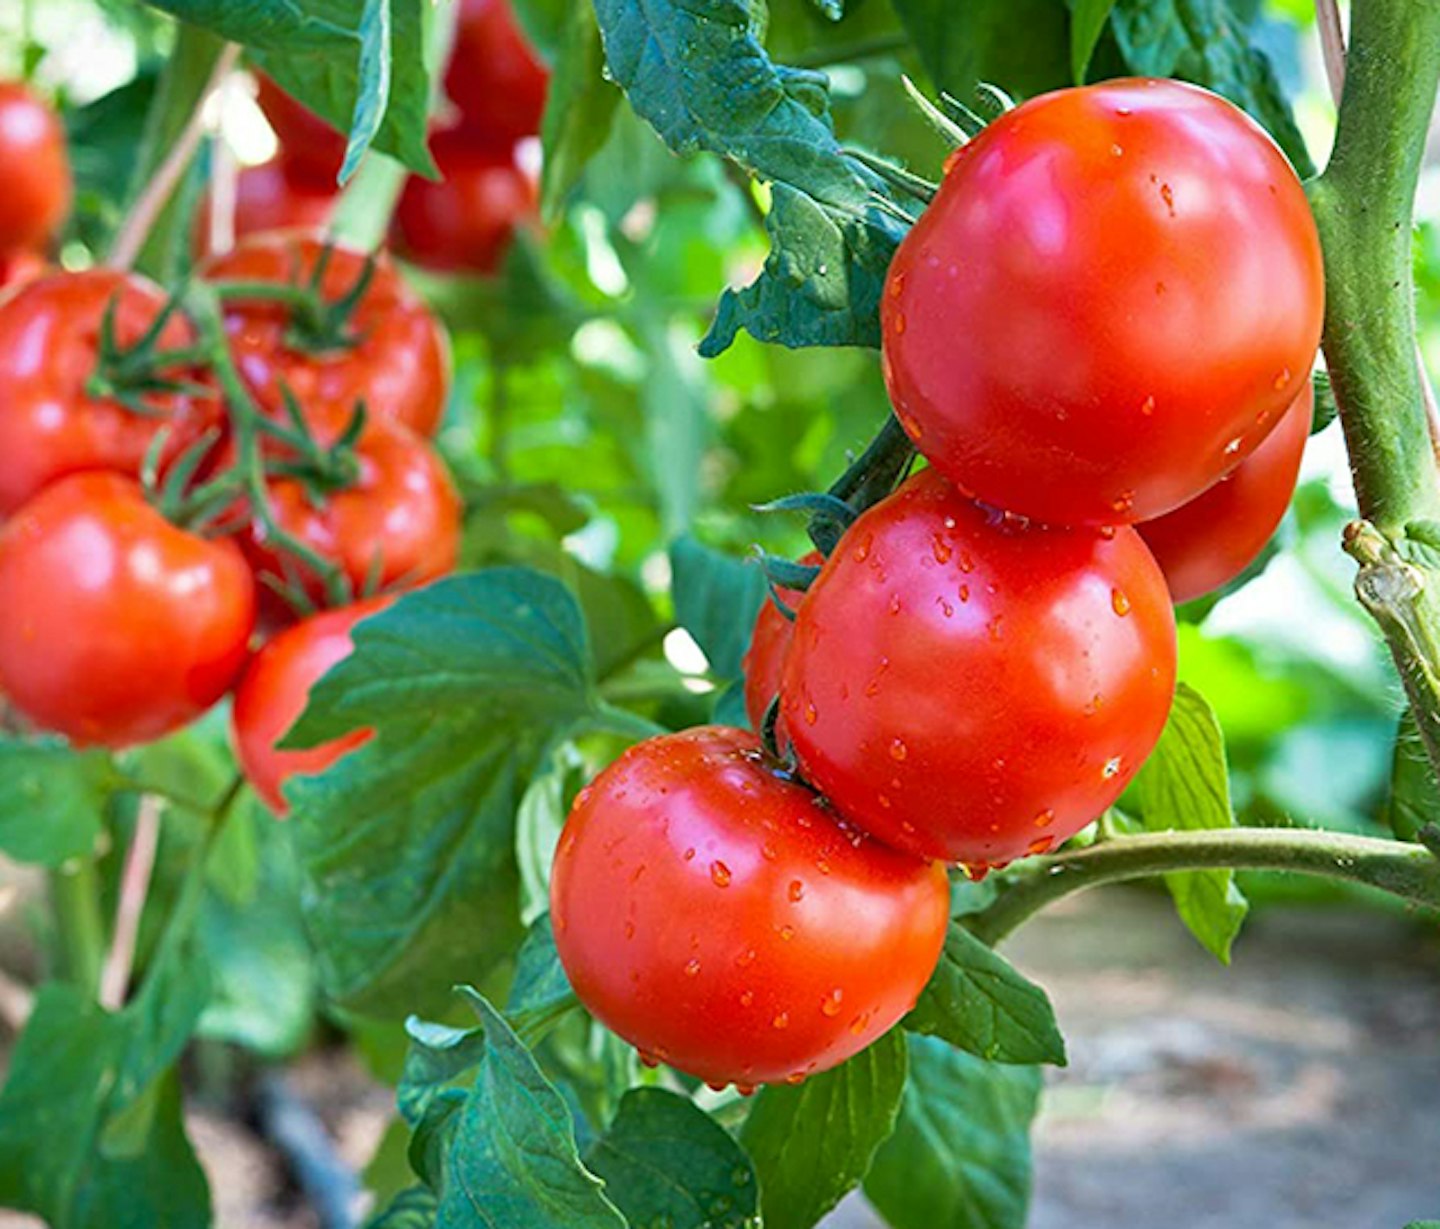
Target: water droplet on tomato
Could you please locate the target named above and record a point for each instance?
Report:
(941, 548)
(1282, 379)
(1046, 817)
(797, 890)
(1123, 502)
(781, 1021)
(811, 716)
(747, 999)
(897, 285)
(898, 750)
(746, 958)
(1147, 407)
(993, 627)
(767, 851)
(1041, 844)
(1119, 603)
(830, 1004)
(899, 324)
(787, 933)
(795, 1077)
(692, 968)
(720, 874)
(1112, 767)
(894, 603)
(690, 855)
(975, 872)
(862, 550)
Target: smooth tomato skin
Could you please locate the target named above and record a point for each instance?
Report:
(49, 425)
(718, 917)
(769, 642)
(116, 627)
(311, 149)
(973, 687)
(273, 693)
(400, 366)
(1208, 542)
(399, 524)
(270, 197)
(495, 78)
(20, 268)
(38, 184)
(1111, 301)
(464, 221)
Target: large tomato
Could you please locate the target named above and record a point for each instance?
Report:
(396, 359)
(973, 687)
(309, 146)
(466, 219)
(1209, 541)
(769, 642)
(18, 268)
(720, 918)
(36, 195)
(1110, 303)
(116, 626)
(273, 693)
(398, 524)
(270, 197)
(495, 78)
(50, 423)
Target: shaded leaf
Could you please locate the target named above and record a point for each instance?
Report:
(52, 799)
(962, 45)
(578, 111)
(716, 600)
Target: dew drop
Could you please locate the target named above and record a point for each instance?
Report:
(1112, 767)
(822, 865)
(690, 855)
(1147, 407)
(993, 627)
(975, 873)
(862, 551)
(797, 890)
(1123, 502)
(1041, 844)
(884, 802)
(795, 1077)
(1116, 151)
(1167, 194)
(941, 548)
(830, 1004)
(945, 608)
(897, 285)
(720, 874)
(767, 851)
(740, 1176)
(787, 933)
(894, 603)
(747, 998)
(1119, 603)
(899, 324)
(1045, 818)
(648, 1059)
(898, 750)
(810, 714)
(781, 1021)
(1282, 379)
(967, 564)
(692, 968)
(1107, 532)
(963, 593)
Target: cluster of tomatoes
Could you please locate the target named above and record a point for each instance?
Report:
(496, 87)
(136, 568)
(1100, 336)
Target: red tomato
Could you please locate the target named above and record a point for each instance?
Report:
(116, 627)
(974, 687)
(38, 185)
(399, 524)
(769, 643)
(1110, 303)
(495, 78)
(270, 197)
(18, 268)
(717, 915)
(310, 147)
(1208, 542)
(274, 691)
(398, 364)
(464, 221)
(50, 425)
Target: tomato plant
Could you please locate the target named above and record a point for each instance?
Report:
(38, 185)
(769, 643)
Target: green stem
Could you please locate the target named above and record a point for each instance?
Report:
(75, 902)
(1410, 872)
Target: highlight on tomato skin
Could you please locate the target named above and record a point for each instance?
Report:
(966, 685)
(1205, 544)
(116, 627)
(274, 690)
(722, 918)
(1081, 328)
(38, 181)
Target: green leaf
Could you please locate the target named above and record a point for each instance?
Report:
(437, 1057)
(666, 1162)
(540, 993)
(962, 45)
(414, 1208)
(977, 1001)
(697, 72)
(512, 1161)
(52, 799)
(539, 821)
(372, 85)
(1205, 42)
(1414, 799)
(960, 1154)
(578, 111)
(407, 846)
(716, 600)
(812, 1143)
(1184, 785)
(298, 24)
(1087, 21)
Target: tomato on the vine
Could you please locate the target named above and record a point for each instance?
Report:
(1209, 541)
(273, 693)
(391, 354)
(18, 268)
(271, 197)
(1111, 301)
(398, 523)
(719, 917)
(465, 220)
(495, 78)
(970, 686)
(116, 627)
(57, 416)
(310, 147)
(769, 642)
(38, 187)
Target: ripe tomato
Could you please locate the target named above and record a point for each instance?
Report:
(399, 524)
(310, 147)
(273, 693)
(37, 170)
(1208, 542)
(494, 77)
(270, 197)
(1110, 303)
(769, 643)
(50, 424)
(465, 220)
(720, 918)
(398, 363)
(116, 627)
(973, 687)
(18, 268)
